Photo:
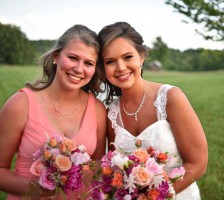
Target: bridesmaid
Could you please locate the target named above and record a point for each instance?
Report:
(62, 102)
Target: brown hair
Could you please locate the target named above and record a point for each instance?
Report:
(108, 34)
(76, 32)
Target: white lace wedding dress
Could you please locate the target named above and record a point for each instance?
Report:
(158, 135)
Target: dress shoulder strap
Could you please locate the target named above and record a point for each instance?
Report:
(113, 112)
(160, 102)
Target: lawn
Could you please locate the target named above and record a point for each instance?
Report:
(205, 90)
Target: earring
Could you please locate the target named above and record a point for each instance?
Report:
(54, 63)
(141, 66)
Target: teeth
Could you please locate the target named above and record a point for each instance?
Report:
(74, 77)
(124, 76)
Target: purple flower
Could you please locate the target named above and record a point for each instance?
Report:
(163, 190)
(120, 193)
(47, 180)
(74, 179)
(106, 160)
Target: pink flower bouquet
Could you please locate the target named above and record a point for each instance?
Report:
(139, 175)
(61, 164)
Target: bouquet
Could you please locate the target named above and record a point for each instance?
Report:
(138, 175)
(61, 164)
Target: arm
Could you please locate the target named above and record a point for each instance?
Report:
(12, 123)
(189, 136)
(111, 135)
(101, 115)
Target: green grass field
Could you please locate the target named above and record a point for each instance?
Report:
(205, 90)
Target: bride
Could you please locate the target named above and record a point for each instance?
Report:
(158, 114)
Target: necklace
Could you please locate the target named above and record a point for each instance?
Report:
(61, 114)
(139, 108)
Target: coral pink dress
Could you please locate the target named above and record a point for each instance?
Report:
(36, 131)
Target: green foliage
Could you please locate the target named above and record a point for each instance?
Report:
(159, 50)
(205, 91)
(189, 60)
(15, 48)
(41, 46)
(209, 13)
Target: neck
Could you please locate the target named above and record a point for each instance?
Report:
(62, 95)
(134, 94)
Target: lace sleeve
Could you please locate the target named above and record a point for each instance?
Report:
(161, 100)
(113, 113)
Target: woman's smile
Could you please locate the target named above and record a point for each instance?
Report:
(124, 76)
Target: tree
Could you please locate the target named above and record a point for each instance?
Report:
(159, 50)
(208, 13)
(15, 48)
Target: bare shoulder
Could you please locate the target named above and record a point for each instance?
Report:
(18, 102)
(176, 95)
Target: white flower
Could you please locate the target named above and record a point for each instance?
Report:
(129, 182)
(82, 148)
(127, 197)
(119, 160)
(79, 158)
(156, 181)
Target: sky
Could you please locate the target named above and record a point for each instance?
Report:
(49, 19)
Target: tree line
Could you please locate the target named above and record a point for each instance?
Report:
(17, 49)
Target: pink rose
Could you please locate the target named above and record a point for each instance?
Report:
(153, 166)
(142, 176)
(46, 180)
(63, 163)
(176, 174)
(141, 155)
(37, 168)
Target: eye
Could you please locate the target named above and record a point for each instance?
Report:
(73, 58)
(109, 62)
(89, 63)
(128, 57)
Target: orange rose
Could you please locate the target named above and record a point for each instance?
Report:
(85, 167)
(63, 148)
(70, 144)
(107, 170)
(153, 194)
(63, 162)
(37, 168)
(162, 157)
(142, 175)
(47, 154)
(117, 181)
(138, 143)
(142, 197)
(141, 155)
(53, 142)
(63, 178)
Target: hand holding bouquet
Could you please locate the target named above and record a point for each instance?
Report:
(137, 175)
(61, 164)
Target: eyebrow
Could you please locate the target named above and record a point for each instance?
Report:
(121, 55)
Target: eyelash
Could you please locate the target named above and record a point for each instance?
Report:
(111, 61)
(72, 58)
(75, 59)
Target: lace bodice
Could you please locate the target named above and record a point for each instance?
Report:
(158, 135)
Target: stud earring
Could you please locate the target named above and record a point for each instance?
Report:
(54, 63)
(141, 66)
